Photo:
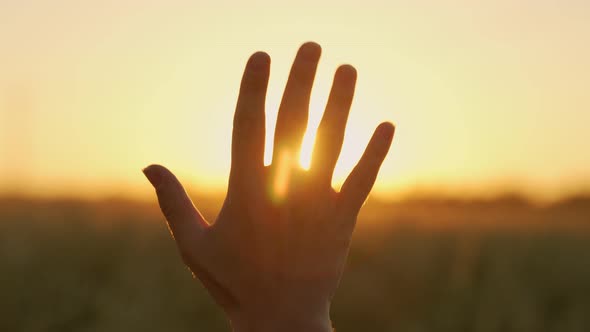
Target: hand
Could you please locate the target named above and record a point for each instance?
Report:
(273, 258)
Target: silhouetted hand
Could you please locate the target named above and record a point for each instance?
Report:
(273, 258)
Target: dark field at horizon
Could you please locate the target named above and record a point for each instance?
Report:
(419, 265)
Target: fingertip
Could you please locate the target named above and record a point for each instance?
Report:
(310, 50)
(259, 60)
(386, 130)
(154, 174)
(387, 125)
(346, 71)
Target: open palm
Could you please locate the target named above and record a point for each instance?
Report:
(273, 257)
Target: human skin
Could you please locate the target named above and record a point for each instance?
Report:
(274, 256)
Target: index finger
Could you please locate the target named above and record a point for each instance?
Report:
(249, 120)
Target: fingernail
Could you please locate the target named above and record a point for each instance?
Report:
(153, 175)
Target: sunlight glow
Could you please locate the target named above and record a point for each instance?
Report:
(91, 92)
(316, 110)
(282, 177)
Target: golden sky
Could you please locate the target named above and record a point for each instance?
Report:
(486, 95)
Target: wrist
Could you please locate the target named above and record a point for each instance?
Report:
(303, 318)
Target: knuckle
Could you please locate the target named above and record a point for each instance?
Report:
(168, 210)
(244, 120)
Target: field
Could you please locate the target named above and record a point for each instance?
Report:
(418, 265)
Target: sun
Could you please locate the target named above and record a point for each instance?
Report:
(351, 149)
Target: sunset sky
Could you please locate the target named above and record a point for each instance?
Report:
(487, 96)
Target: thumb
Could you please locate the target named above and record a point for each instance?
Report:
(184, 220)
